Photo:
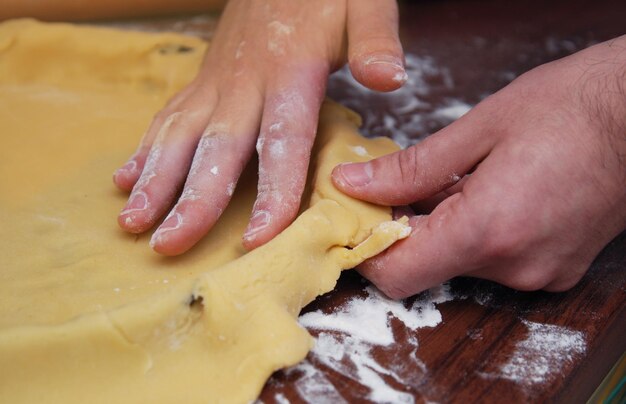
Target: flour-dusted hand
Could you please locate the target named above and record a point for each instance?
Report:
(547, 189)
(262, 83)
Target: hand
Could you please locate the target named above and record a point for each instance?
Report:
(262, 82)
(547, 189)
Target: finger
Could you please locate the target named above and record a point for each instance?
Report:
(423, 170)
(165, 169)
(126, 176)
(429, 204)
(287, 133)
(442, 245)
(374, 50)
(222, 153)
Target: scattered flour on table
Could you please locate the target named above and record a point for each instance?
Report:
(556, 45)
(280, 399)
(313, 385)
(403, 114)
(542, 355)
(347, 338)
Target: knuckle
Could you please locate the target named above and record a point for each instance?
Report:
(374, 44)
(567, 276)
(391, 282)
(531, 278)
(392, 286)
(505, 237)
(563, 285)
(216, 130)
(560, 286)
(173, 121)
(394, 291)
(162, 115)
(406, 165)
(499, 244)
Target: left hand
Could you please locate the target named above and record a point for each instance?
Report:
(262, 83)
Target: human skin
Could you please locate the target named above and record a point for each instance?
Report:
(546, 154)
(547, 189)
(262, 83)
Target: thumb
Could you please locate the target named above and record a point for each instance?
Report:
(422, 170)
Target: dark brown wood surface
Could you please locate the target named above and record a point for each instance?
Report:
(478, 47)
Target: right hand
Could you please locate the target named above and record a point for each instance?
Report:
(547, 189)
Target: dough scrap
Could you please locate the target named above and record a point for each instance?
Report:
(91, 314)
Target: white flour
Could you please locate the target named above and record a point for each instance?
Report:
(542, 355)
(313, 385)
(348, 338)
(402, 114)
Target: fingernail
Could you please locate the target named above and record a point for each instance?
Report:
(129, 167)
(400, 77)
(173, 221)
(259, 221)
(387, 60)
(356, 174)
(136, 203)
(156, 238)
(391, 63)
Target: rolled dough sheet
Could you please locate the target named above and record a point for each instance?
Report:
(89, 313)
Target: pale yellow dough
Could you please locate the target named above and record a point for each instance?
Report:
(89, 314)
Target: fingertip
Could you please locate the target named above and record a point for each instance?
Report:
(379, 72)
(393, 270)
(126, 176)
(336, 176)
(132, 223)
(134, 217)
(378, 271)
(348, 177)
(259, 230)
(161, 245)
(374, 49)
(167, 239)
(268, 221)
(124, 183)
(251, 242)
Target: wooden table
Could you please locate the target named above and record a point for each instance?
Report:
(493, 344)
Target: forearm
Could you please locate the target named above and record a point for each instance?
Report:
(72, 10)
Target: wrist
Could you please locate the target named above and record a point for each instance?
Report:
(603, 96)
(594, 81)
